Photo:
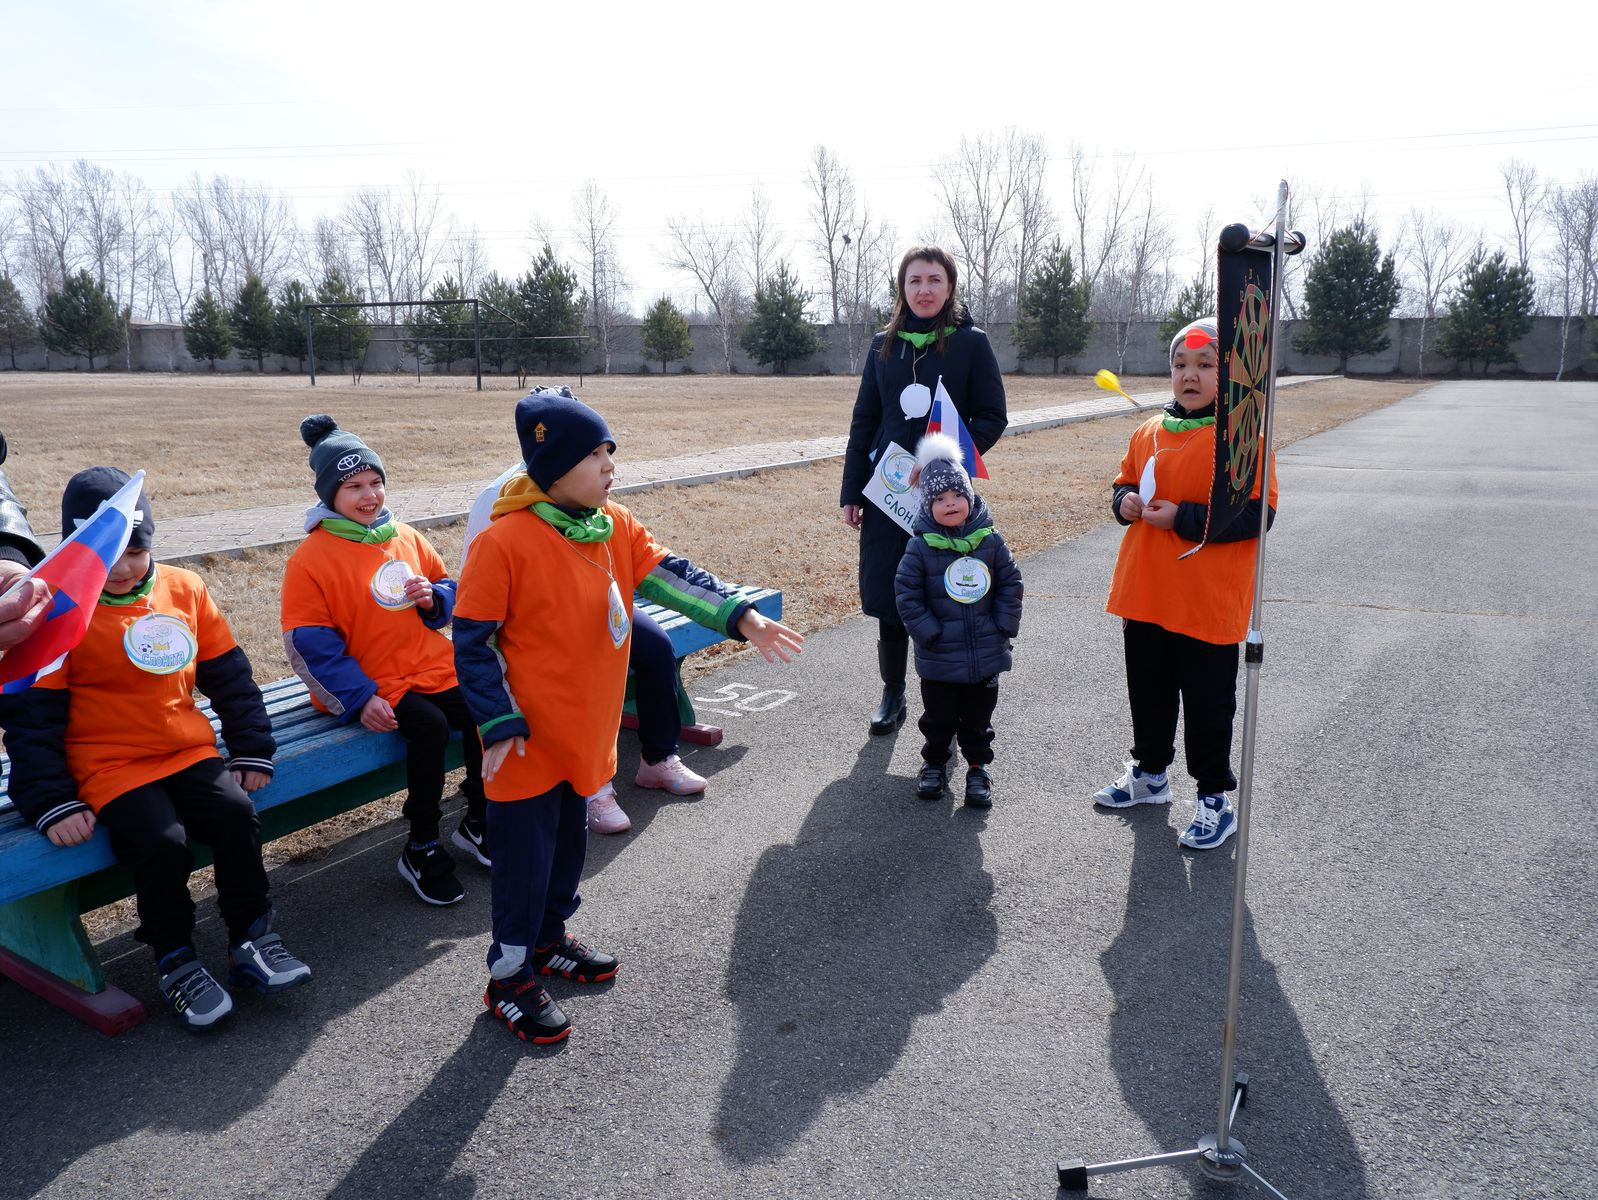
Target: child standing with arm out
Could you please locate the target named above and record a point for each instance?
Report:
(959, 594)
(113, 737)
(365, 602)
(542, 628)
(1182, 618)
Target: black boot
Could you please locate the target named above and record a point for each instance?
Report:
(892, 657)
(978, 788)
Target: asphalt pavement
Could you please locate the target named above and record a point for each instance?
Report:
(831, 988)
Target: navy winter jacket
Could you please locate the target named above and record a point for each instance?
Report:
(959, 642)
(970, 375)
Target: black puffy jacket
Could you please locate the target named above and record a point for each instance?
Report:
(956, 641)
(17, 542)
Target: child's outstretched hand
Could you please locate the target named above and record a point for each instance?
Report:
(1161, 513)
(70, 831)
(419, 591)
(494, 756)
(772, 638)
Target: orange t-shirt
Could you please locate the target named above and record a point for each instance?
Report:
(1207, 596)
(127, 727)
(562, 669)
(328, 582)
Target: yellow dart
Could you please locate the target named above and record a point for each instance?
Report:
(1107, 380)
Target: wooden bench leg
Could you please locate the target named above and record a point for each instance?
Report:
(43, 947)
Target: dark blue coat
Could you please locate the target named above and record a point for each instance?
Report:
(958, 642)
(971, 376)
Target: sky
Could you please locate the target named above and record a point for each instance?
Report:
(682, 109)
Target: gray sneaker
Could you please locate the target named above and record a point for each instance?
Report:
(261, 961)
(1133, 787)
(192, 991)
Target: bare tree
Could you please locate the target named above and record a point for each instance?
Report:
(1036, 225)
(140, 258)
(597, 262)
(1138, 286)
(759, 236)
(1527, 197)
(832, 214)
(259, 228)
(420, 225)
(466, 258)
(981, 188)
(49, 227)
(100, 222)
(202, 223)
(865, 281)
(329, 251)
(1570, 269)
(1434, 252)
(1099, 221)
(374, 221)
(179, 265)
(709, 254)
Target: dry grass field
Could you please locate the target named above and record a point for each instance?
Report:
(211, 443)
(779, 528)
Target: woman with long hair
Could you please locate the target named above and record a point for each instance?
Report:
(930, 338)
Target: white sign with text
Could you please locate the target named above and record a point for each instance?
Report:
(889, 486)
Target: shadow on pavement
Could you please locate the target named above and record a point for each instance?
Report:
(844, 940)
(1167, 971)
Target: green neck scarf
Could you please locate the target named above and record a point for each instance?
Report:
(354, 531)
(1183, 424)
(592, 526)
(922, 340)
(960, 545)
(133, 597)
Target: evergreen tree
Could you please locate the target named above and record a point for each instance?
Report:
(288, 321)
(1053, 319)
(81, 319)
(251, 319)
(1350, 292)
(1490, 311)
(206, 330)
(551, 306)
(1196, 300)
(497, 300)
(439, 330)
(17, 330)
(344, 333)
(778, 330)
(664, 333)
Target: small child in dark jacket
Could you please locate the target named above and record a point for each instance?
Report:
(959, 593)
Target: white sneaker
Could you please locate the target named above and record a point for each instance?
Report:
(1134, 787)
(1214, 820)
(604, 814)
(670, 776)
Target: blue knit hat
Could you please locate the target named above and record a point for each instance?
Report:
(336, 454)
(557, 431)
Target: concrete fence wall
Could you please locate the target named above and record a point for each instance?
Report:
(156, 347)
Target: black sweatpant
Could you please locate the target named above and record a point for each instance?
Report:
(1170, 672)
(425, 720)
(958, 710)
(150, 829)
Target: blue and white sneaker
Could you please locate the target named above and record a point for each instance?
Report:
(1214, 820)
(261, 962)
(1134, 787)
(192, 992)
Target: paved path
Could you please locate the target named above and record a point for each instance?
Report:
(284, 524)
(833, 989)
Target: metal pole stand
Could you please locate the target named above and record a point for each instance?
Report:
(1220, 1155)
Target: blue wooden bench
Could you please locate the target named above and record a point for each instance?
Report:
(322, 768)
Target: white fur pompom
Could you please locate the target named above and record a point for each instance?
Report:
(937, 446)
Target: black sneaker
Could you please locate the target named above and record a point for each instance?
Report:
(527, 1009)
(431, 873)
(472, 837)
(933, 778)
(193, 992)
(572, 960)
(978, 788)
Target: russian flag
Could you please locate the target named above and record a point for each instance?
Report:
(76, 571)
(945, 418)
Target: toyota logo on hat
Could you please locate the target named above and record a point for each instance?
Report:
(348, 462)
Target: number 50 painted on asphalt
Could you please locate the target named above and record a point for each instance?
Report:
(759, 699)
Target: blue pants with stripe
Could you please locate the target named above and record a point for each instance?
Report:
(538, 847)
